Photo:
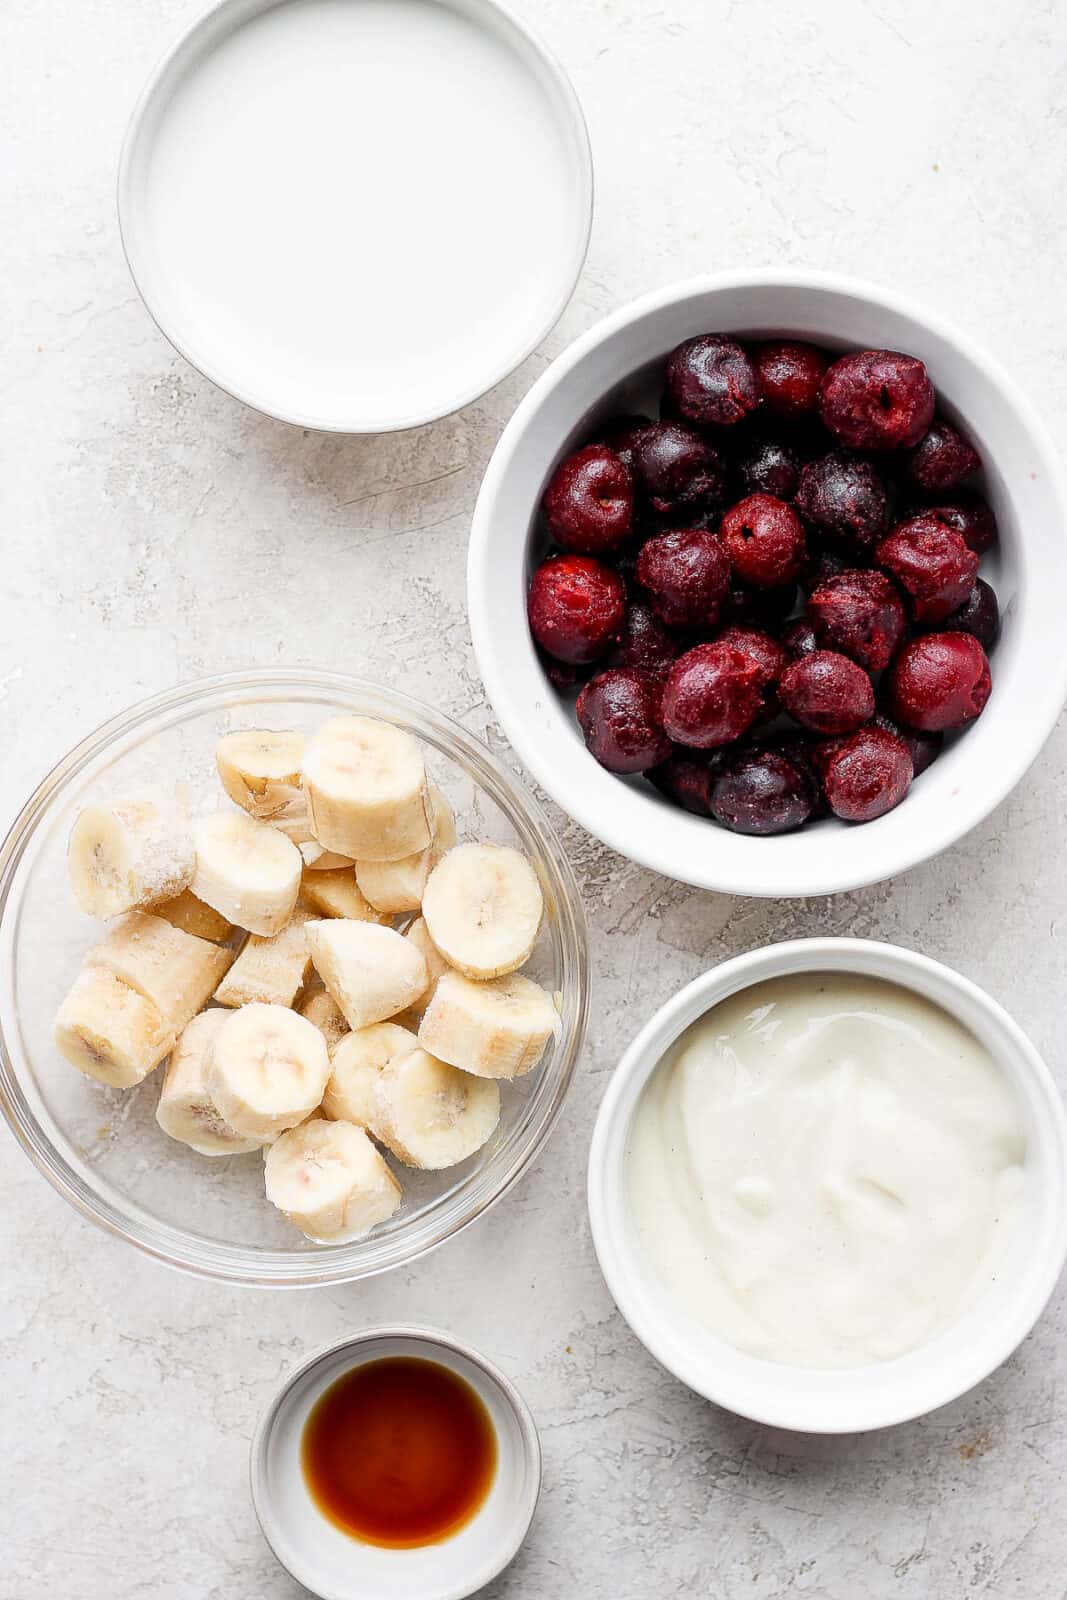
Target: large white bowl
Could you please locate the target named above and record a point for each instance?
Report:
(852, 1400)
(608, 370)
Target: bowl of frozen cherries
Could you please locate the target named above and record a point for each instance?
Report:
(770, 577)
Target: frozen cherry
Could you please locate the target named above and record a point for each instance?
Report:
(979, 614)
(711, 380)
(942, 458)
(576, 608)
(859, 613)
(686, 572)
(685, 777)
(645, 642)
(764, 539)
(789, 377)
(938, 682)
(712, 695)
(766, 652)
(589, 502)
(923, 748)
(563, 675)
(845, 496)
(618, 712)
(877, 400)
(931, 563)
(867, 774)
(676, 470)
(762, 792)
(770, 467)
(621, 435)
(798, 639)
(827, 693)
(968, 515)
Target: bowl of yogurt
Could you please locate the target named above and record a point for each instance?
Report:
(828, 1185)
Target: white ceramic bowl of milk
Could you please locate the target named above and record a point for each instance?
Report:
(356, 215)
(1010, 1286)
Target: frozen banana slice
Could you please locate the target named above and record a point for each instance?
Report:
(483, 908)
(130, 854)
(495, 1029)
(356, 1064)
(316, 859)
(271, 970)
(372, 972)
(430, 1114)
(419, 935)
(109, 1031)
(186, 1110)
(397, 886)
(246, 870)
(366, 786)
(176, 971)
(260, 770)
(267, 1070)
(329, 1180)
(336, 894)
(320, 1008)
(193, 916)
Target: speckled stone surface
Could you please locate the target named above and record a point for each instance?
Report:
(154, 530)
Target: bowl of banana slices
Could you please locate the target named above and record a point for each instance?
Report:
(293, 978)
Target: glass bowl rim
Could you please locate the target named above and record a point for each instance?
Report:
(345, 1263)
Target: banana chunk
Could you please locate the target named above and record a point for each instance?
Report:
(366, 786)
(419, 935)
(260, 770)
(329, 1180)
(267, 1070)
(186, 1110)
(271, 970)
(430, 1114)
(397, 886)
(130, 854)
(321, 1009)
(356, 1064)
(109, 1031)
(483, 908)
(336, 893)
(295, 822)
(316, 859)
(372, 972)
(193, 916)
(176, 971)
(247, 871)
(497, 1029)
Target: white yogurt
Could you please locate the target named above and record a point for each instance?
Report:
(358, 207)
(825, 1169)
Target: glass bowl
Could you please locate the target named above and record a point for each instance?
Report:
(102, 1148)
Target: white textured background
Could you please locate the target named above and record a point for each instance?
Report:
(151, 530)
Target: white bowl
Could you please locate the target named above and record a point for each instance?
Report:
(356, 215)
(815, 1400)
(336, 1566)
(608, 370)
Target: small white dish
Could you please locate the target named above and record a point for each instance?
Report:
(880, 1394)
(356, 215)
(335, 1565)
(617, 367)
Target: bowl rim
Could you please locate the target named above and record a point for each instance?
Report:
(652, 848)
(144, 278)
(168, 1242)
(617, 1248)
(270, 1524)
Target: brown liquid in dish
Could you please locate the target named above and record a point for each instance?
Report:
(399, 1452)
